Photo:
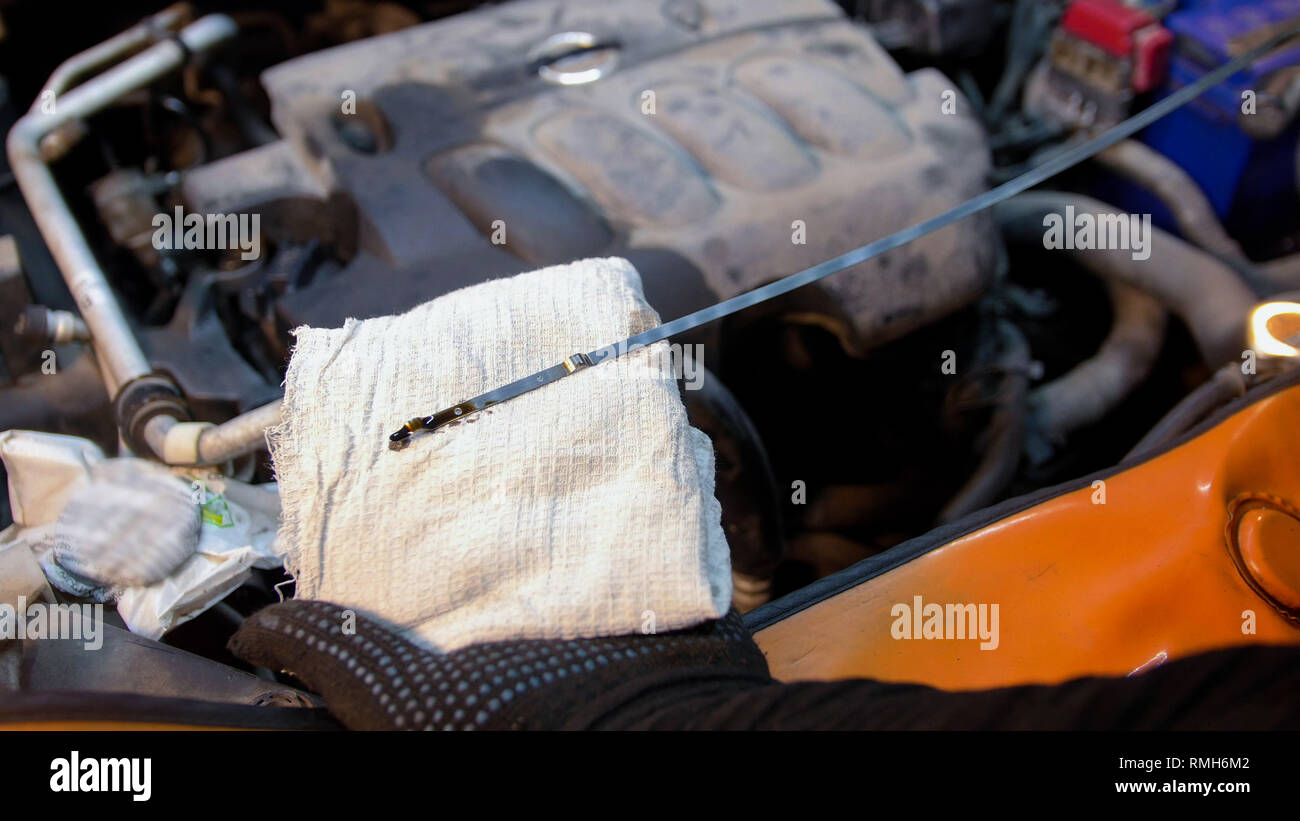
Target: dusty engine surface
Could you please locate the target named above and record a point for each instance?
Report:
(718, 145)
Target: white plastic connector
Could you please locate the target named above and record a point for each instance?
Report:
(181, 444)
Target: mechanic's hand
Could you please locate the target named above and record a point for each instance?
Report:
(372, 679)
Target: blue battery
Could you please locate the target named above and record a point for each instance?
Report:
(1251, 183)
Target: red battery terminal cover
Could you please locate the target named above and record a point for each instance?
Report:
(1126, 33)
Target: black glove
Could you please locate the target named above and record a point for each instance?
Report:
(714, 677)
(372, 679)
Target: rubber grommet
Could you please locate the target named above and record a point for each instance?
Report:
(142, 399)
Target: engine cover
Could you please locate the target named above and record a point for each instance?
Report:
(718, 144)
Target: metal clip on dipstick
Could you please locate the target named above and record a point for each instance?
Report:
(1062, 160)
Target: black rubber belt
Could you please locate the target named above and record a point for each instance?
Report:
(1060, 162)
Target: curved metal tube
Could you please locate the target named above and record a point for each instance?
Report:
(146, 31)
(201, 443)
(115, 344)
(243, 434)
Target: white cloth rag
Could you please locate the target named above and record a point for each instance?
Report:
(237, 530)
(583, 508)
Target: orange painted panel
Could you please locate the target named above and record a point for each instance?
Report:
(1082, 588)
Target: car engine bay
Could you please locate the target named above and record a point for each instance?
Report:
(384, 154)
